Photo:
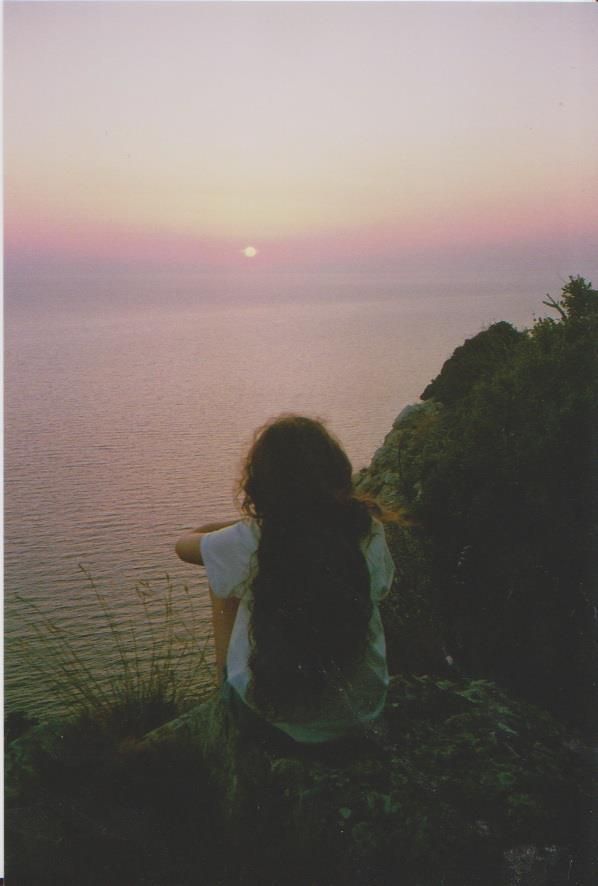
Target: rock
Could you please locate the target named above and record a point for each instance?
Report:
(405, 413)
(382, 479)
(454, 781)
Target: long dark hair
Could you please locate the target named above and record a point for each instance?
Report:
(311, 592)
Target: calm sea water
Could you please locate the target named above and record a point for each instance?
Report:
(129, 406)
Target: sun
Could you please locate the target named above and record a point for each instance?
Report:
(249, 252)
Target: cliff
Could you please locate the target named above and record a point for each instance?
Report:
(498, 471)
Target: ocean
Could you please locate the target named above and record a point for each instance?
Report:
(130, 403)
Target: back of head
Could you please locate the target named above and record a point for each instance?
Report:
(295, 470)
(311, 596)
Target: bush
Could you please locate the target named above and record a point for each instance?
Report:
(501, 481)
(154, 665)
(83, 804)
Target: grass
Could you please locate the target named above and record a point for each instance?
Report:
(155, 666)
(462, 774)
(82, 806)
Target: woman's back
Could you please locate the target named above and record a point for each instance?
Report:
(310, 611)
(347, 697)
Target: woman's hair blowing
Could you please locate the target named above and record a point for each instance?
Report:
(311, 592)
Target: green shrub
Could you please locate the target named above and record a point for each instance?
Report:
(154, 664)
(83, 804)
(501, 481)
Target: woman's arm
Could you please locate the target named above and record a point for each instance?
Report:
(188, 546)
(224, 611)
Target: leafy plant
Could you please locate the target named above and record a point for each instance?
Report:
(498, 470)
(158, 661)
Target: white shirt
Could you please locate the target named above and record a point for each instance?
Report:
(229, 556)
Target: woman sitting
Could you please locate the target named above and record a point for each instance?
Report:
(299, 580)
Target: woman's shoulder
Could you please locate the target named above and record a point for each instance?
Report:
(245, 531)
(229, 556)
(240, 536)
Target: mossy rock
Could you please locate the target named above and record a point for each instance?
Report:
(456, 775)
(458, 784)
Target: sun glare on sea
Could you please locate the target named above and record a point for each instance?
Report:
(249, 252)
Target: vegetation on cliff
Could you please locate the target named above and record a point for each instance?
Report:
(457, 778)
(498, 469)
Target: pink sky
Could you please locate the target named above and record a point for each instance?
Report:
(343, 135)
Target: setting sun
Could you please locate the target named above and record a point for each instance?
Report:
(249, 252)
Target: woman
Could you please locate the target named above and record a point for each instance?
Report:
(301, 575)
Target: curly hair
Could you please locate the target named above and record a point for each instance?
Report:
(311, 593)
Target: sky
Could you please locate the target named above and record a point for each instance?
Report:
(362, 137)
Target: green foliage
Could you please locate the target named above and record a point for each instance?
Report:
(84, 808)
(457, 774)
(475, 360)
(84, 805)
(154, 665)
(480, 749)
(501, 480)
(414, 634)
